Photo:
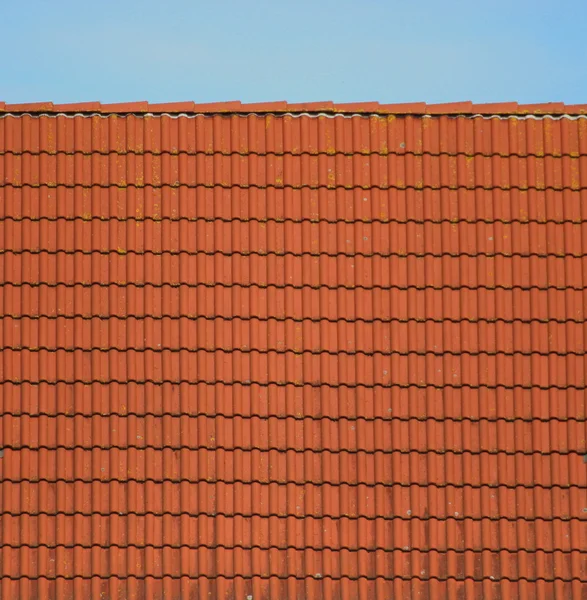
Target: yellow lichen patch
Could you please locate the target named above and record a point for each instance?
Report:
(120, 250)
(87, 216)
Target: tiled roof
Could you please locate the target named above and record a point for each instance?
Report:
(293, 356)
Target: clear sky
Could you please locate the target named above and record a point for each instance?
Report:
(257, 50)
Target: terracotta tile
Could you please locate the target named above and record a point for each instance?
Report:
(495, 108)
(30, 107)
(217, 107)
(311, 106)
(78, 107)
(172, 107)
(126, 107)
(449, 108)
(405, 108)
(289, 356)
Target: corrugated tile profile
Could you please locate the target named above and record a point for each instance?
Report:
(251, 353)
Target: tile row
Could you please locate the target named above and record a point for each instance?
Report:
(105, 496)
(344, 439)
(310, 587)
(542, 408)
(190, 530)
(289, 335)
(293, 134)
(320, 171)
(268, 586)
(315, 370)
(457, 474)
(288, 204)
(252, 302)
(280, 269)
(317, 238)
(228, 561)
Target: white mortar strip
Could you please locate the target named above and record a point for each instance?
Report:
(295, 115)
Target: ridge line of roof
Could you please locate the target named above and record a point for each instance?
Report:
(327, 107)
(339, 115)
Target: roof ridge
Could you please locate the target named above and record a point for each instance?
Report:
(327, 107)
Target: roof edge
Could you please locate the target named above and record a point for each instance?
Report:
(413, 108)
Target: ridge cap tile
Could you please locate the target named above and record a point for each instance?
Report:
(173, 107)
(492, 108)
(127, 107)
(78, 107)
(30, 107)
(448, 108)
(405, 108)
(210, 107)
(577, 108)
(357, 107)
(542, 109)
(325, 106)
(279, 106)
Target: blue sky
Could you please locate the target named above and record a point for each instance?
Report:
(256, 50)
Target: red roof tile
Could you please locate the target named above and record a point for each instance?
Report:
(282, 355)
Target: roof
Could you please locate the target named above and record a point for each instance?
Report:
(263, 355)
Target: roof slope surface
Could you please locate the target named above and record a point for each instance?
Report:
(288, 356)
